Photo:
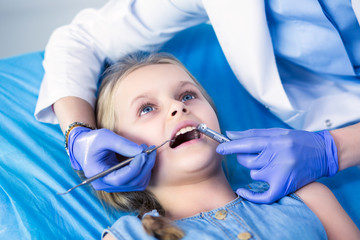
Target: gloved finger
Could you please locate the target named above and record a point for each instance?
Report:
(100, 185)
(150, 161)
(144, 184)
(250, 161)
(134, 176)
(141, 181)
(116, 143)
(268, 132)
(264, 174)
(258, 197)
(144, 147)
(127, 173)
(261, 164)
(244, 145)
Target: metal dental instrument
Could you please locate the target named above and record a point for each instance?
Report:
(113, 168)
(212, 134)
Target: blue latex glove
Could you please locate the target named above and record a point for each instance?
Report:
(285, 159)
(94, 151)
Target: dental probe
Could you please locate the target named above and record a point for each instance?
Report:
(212, 134)
(113, 168)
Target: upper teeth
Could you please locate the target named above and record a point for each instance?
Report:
(185, 130)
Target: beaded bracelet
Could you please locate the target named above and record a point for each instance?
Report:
(71, 127)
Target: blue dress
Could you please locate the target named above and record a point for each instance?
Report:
(288, 218)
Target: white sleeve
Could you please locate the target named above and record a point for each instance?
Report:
(356, 7)
(75, 53)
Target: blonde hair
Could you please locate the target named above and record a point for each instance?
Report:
(141, 201)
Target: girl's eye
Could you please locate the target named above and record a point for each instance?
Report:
(145, 109)
(187, 97)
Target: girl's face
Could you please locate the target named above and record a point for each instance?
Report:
(155, 103)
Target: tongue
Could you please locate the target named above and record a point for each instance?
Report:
(180, 139)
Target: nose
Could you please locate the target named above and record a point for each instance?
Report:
(178, 108)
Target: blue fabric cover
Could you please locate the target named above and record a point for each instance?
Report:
(34, 165)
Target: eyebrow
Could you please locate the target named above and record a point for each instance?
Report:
(145, 95)
(184, 83)
(138, 98)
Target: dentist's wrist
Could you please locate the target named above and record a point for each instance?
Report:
(331, 153)
(70, 128)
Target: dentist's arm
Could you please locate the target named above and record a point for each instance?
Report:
(347, 141)
(73, 109)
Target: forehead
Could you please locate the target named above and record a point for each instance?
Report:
(153, 76)
(158, 72)
(149, 82)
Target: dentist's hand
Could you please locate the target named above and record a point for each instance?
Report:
(285, 159)
(94, 151)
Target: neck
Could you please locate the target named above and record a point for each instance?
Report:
(187, 200)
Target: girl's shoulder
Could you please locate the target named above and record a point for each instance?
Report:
(324, 204)
(314, 193)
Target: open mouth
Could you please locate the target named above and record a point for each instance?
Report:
(184, 135)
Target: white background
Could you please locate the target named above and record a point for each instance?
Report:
(26, 25)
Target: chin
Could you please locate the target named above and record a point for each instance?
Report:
(186, 162)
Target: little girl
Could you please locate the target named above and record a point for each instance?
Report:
(153, 98)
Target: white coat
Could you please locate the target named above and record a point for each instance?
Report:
(288, 54)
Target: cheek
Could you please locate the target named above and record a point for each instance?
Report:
(135, 129)
(145, 134)
(210, 118)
